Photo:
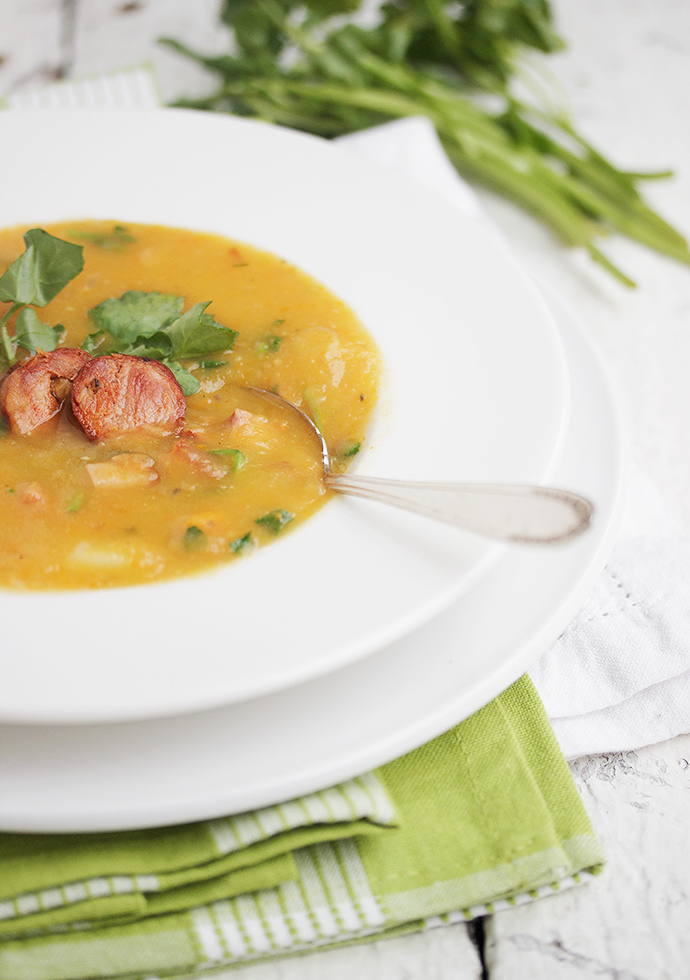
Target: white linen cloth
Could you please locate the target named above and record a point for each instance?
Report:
(619, 676)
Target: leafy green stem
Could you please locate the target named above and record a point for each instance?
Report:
(295, 64)
(7, 348)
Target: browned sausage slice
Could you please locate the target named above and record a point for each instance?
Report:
(118, 393)
(35, 390)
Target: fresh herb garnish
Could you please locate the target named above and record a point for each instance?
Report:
(33, 335)
(113, 241)
(295, 64)
(275, 520)
(236, 457)
(350, 450)
(34, 279)
(212, 365)
(152, 325)
(268, 344)
(240, 544)
(135, 314)
(196, 333)
(193, 538)
(75, 503)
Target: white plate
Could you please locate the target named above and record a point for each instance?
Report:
(476, 389)
(110, 777)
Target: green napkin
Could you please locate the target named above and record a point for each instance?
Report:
(483, 817)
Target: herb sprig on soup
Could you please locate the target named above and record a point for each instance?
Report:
(130, 449)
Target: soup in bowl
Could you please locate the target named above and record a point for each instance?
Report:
(133, 451)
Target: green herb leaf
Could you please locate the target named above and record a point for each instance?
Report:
(38, 275)
(136, 314)
(185, 379)
(150, 325)
(241, 544)
(211, 365)
(33, 335)
(114, 241)
(235, 456)
(196, 333)
(193, 538)
(350, 450)
(158, 347)
(275, 520)
(268, 344)
(93, 341)
(328, 75)
(76, 503)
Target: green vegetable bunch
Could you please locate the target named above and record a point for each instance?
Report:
(315, 66)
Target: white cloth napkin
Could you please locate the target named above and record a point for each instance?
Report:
(619, 677)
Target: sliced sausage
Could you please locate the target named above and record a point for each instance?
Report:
(118, 393)
(35, 390)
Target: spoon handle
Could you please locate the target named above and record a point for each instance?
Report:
(521, 514)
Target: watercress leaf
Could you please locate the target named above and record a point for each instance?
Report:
(349, 450)
(136, 314)
(32, 334)
(38, 275)
(235, 457)
(268, 344)
(196, 333)
(185, 379)
(112, 241)
(241, 544)
(158, 347)
(93, 341)
(76, 503)
(275, 520)
(193, 538)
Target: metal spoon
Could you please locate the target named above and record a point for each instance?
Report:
(519, 514)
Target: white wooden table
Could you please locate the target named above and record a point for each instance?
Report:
(626, 75)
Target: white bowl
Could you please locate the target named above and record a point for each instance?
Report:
(475, 388)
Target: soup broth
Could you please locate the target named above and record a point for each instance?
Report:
(80, 512)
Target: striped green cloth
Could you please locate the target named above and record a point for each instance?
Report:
(483, 817)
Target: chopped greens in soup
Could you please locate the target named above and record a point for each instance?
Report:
(131, 449)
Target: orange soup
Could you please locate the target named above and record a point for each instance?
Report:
(87, 507)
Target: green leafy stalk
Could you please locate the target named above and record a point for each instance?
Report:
(296, 65)
(8, 348)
